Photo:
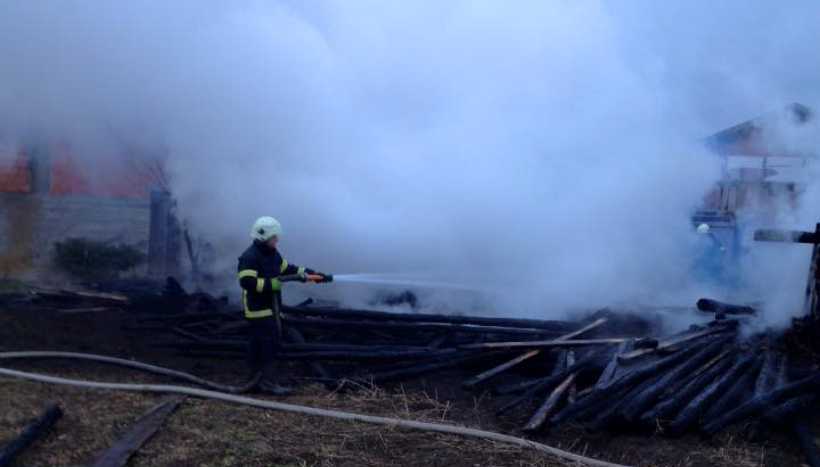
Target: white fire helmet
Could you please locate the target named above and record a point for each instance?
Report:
(266, 227)
(703, 228)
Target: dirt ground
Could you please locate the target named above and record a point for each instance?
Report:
(209, 433)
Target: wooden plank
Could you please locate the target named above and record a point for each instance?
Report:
(30, 434)
(527, 355)
(533, 388)
(481, 377)
(609, 371)
(714, 306)
(589, 327)
(545, 344)
(410, 326)
(144, 428)
(368, 315)
(786, 236)
(96, 309)
(550, 403)
(670, 343)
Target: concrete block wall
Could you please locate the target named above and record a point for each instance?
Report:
(30, 224)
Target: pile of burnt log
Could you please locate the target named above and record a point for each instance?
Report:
(600, 371)
(342, 345)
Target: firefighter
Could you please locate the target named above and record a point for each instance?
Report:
(260, 268)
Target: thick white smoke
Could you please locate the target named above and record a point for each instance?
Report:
(547, 150)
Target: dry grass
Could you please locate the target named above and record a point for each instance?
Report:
(209, 433)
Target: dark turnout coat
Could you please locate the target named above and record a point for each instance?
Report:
(259, 269)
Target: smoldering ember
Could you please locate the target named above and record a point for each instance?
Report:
(357, 233)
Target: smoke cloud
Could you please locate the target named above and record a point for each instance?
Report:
(546, 152)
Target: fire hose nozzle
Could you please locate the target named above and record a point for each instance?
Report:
(315, 278)
(320, 278)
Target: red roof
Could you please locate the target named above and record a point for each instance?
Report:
(117, 176)
(15, 176)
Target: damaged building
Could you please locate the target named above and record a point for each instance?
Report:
(50, 193)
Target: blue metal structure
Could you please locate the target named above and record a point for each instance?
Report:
(717, 260)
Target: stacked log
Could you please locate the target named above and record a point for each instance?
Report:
(589, 371)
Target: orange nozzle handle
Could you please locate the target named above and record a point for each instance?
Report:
(315, 278)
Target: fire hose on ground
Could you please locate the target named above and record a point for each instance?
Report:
(270, 405)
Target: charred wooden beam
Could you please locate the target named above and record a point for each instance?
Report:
(698, 406)
(739, 389)
(366, 355)
(627, 380)
(671, 343)
(785, 413)
(411, 326)
(36, 429)
(573, 389)
(206, 345)
(594, 359)
(769, 373)
(806, 438)
(187, 334)
(714, 306)
(613, 412)
(590, 412)
(786, 236)
(762, 402)
(609, 371)
(321, 350)
(676, 399)
(142, 430)
(187, 318)
(215, 355)
(93, 309)
(481, 377)
(298, 338)
(545, 344)
(517, 386)
(366, 315)
(472, 382)
(560, 362)
(589, 327)
(320, 347)
(550, 404)
(645, 399)
(768, 379)
(74, 294)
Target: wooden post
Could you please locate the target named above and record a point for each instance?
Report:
(157, 241)
(165, 240)
(810, 303)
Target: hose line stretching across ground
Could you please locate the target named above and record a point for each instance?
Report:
(37, 354)
(281, 406)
